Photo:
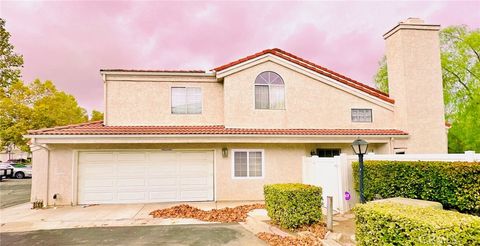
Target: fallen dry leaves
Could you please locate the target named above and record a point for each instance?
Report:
(306, 235)
(224, 215)
(276, 240)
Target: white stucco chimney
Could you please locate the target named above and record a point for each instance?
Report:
(415, 83)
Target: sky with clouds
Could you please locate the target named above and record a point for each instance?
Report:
(69, 42)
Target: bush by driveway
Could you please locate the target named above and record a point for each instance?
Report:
(14, 192)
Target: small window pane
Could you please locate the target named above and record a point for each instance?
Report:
(327, 152)
(255, 164)
(194, 100)
(261, 97)
(240, 164)
(186, 100)
(361, 115)
(275, 78)
(179, 100)
(277, 97)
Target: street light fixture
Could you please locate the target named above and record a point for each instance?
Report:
(360, 147)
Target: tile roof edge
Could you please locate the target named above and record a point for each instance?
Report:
(310, 65)
(65, 126)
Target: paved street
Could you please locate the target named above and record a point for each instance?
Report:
(14, 192)
(211, 234)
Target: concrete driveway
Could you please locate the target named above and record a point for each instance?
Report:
(14, 192)
(22, 218)
(213, 234)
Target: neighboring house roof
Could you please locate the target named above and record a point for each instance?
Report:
(314, 67)
(97, 128)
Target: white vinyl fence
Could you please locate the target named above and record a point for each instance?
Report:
(335, 174)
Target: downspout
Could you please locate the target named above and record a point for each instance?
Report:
(391, 146)
(48, 168)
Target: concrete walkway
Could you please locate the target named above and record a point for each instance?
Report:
(23, 218)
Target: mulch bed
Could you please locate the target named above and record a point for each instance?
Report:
(224, 215)
(276, 240)
(306, 235)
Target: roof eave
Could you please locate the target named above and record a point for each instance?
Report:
(208, 138)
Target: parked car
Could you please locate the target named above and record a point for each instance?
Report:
(6, 170)
(21, 171)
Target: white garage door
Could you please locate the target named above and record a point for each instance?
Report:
(145, 176)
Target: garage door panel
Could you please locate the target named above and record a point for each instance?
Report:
(132, 196)
(94, 197)
(172, 181)
(132, 156)
(96, 157)
(131, 182)
(163, 196)
(97, 183)
(163, 156)
(98, 169)
(166, 168)
(193, 167)
(145, 176)
(194, 181)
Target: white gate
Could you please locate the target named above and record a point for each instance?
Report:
(329, 174)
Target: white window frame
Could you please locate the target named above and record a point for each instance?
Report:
(248, 164)
(186, 113)
(269, 86)
(371, 115)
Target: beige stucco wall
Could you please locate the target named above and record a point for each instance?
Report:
(415, 82)
(309, 103)
(134, 103)
(283, 163)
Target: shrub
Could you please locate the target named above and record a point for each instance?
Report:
(456, 185)
(293, 205)
(398, 224)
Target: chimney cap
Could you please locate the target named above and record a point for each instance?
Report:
(412, 23)
(413, 20)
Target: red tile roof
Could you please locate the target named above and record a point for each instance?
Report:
(314, 67)
(97, 128)
(149, 70)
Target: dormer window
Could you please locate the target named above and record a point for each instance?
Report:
(269, 91)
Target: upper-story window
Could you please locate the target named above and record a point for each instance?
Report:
(269, 91)
(362, 115)
(186, 100)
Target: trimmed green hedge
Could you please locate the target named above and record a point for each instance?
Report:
(398, 224)
(293, 205)
(456, 185)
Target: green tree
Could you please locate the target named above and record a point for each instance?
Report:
(14, 116)
(460, 58)
(10, 62)
(34, 106)
(381, 77)
(96, 115)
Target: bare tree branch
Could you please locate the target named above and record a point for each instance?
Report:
(461, 82)
(474, 75)
(463, 40)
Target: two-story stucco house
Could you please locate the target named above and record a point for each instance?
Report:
(222, 134)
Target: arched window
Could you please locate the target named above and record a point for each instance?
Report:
(269, 91)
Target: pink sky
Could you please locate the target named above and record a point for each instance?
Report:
(69, 42)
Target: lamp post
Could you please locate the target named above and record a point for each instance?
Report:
(360, 147)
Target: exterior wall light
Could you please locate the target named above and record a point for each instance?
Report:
(224, 152)
(360, 147)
